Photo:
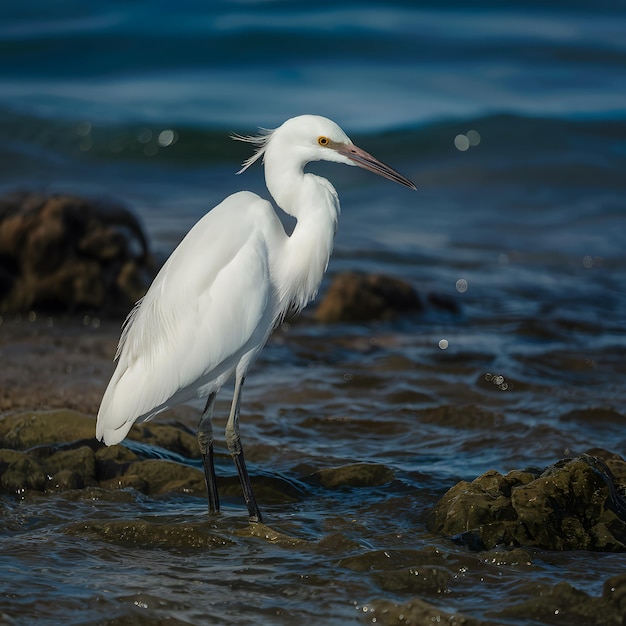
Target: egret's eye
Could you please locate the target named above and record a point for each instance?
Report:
(323, 141)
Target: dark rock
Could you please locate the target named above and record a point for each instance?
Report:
(417, 612)
(19, 472)
(353, 475)
(615, 592)
(71, 469)
(415, 580)
(140, 533)
(65, 253)
(113, 461)
(175, 438)
(26, 430)
(564, 604)
(357, 297)
(575, 504)
(157, 476)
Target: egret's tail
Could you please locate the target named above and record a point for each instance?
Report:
(122, 405)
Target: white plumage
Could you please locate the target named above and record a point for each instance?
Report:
(216, 300)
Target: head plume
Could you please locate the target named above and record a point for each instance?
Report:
(260, 141)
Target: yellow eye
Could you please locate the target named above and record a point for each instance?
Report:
(323, 141)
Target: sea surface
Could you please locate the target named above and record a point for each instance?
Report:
(511, 120)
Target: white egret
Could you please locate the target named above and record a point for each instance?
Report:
(231, 280)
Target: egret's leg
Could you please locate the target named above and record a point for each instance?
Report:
(205, 441)
(234, 446)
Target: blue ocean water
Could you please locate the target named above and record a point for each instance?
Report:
(370, 65)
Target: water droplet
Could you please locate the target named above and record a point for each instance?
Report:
(461, 142)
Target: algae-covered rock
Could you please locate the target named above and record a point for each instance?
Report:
(138, 533)
(57, 450)
(158, 476)
(19, 472)
(417, 612)
(35, 428)
(72, 469)
(171, 437)
(573, 505)
(615, 593)
(564, 604)
(415, 580)
(353, 475)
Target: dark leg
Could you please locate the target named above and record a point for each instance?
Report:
(205, 441)
(234, 446)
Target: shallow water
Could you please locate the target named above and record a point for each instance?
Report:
(525, 231)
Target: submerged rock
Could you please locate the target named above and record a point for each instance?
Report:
(141, 533)
(353, 475)
(417, 612)
(65, 253)
(564, 604)
(576, 504)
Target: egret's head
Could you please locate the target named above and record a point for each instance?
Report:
(315, 138)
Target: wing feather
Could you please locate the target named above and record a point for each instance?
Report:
(209, 305)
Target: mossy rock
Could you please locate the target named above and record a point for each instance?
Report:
(575, 504)
(21, 431)
(20, 472)
(353, 475)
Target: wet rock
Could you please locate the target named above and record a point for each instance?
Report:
(268, 489)
(353, 475)
(514, 557)
(576, 504)
(19, 472)
(416, 613)
(176, 438)
(272, 535)
(65, 253)
(357, 297)
(389, 560)
(71, 469)
(113, 461)
(30, 428)
(415, 580)
(564, 604)
(156, 476)
(58, 450)
(614, 593)
(140, 533)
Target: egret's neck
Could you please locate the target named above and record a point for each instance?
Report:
(313, 201)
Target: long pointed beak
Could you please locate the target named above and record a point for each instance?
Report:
(365, 160)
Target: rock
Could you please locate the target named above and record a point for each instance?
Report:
(157, 476)
(142, 534)
(71, 469)
(353, 475)
(176, 438)
(65, 253)
(31, 428)
(415, 580)
(575, 504)
(416, 613)
(357, 297)
(58, 450)
(564, 604)
(615, 592)
(19, 472)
